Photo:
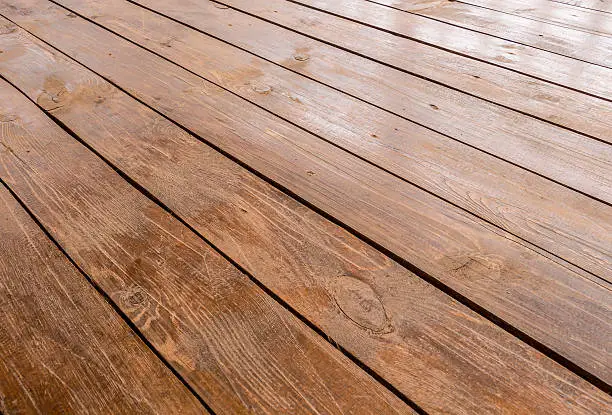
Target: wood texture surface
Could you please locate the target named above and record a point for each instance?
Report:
(416, 337)
(601, 5)
(511, 136)
(63, 349)
(485, 265)
(382, 85)
(523, 59)
(592, 21)
(555, 218)
(240, 350)
(566, 41)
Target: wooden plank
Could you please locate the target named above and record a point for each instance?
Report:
(600, 5)
(590, 21)
(63, 349)
(399, 92)
(498, 52)
(419, 339)
(483, 264)
(237, 348)
(559, 220)
(569, 42)
(501, 132)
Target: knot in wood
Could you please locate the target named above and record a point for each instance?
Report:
(301, 57)
(262, 89)
(360, 303)
(50, 101)
(133, 297)
(5, 29)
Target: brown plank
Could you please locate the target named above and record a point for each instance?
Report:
(565, 41)
(399, 92)
(487, 266)
(238, 348)
(559, 220)
(63, 349)
(419, 339)
(591, 21)
(509, 55)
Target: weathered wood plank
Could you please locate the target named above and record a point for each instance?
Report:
(591, 21)
(523, 59)
(542, 99)
(601, 5)
(63, 349)
(419, 339)
(511, 281)
(557, 219)
(239, 349)
(570, 42)
(424, 102)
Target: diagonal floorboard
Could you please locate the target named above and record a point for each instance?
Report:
(234, 345)
(582, 234)
(483, 48)
(594, 48)
(301, 257)
(59, 335)
(291, 211)
(484, 266)
(405, 90)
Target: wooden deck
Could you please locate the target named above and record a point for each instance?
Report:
(306, 206)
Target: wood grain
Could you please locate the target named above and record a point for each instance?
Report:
(591, 21)
(483, 264)
(417, 338)
(529, 61)
(400, 92)
(63, 349)
(559, 220)
(501, 132)
(239, 349)
(569, 42)
(601, 5)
